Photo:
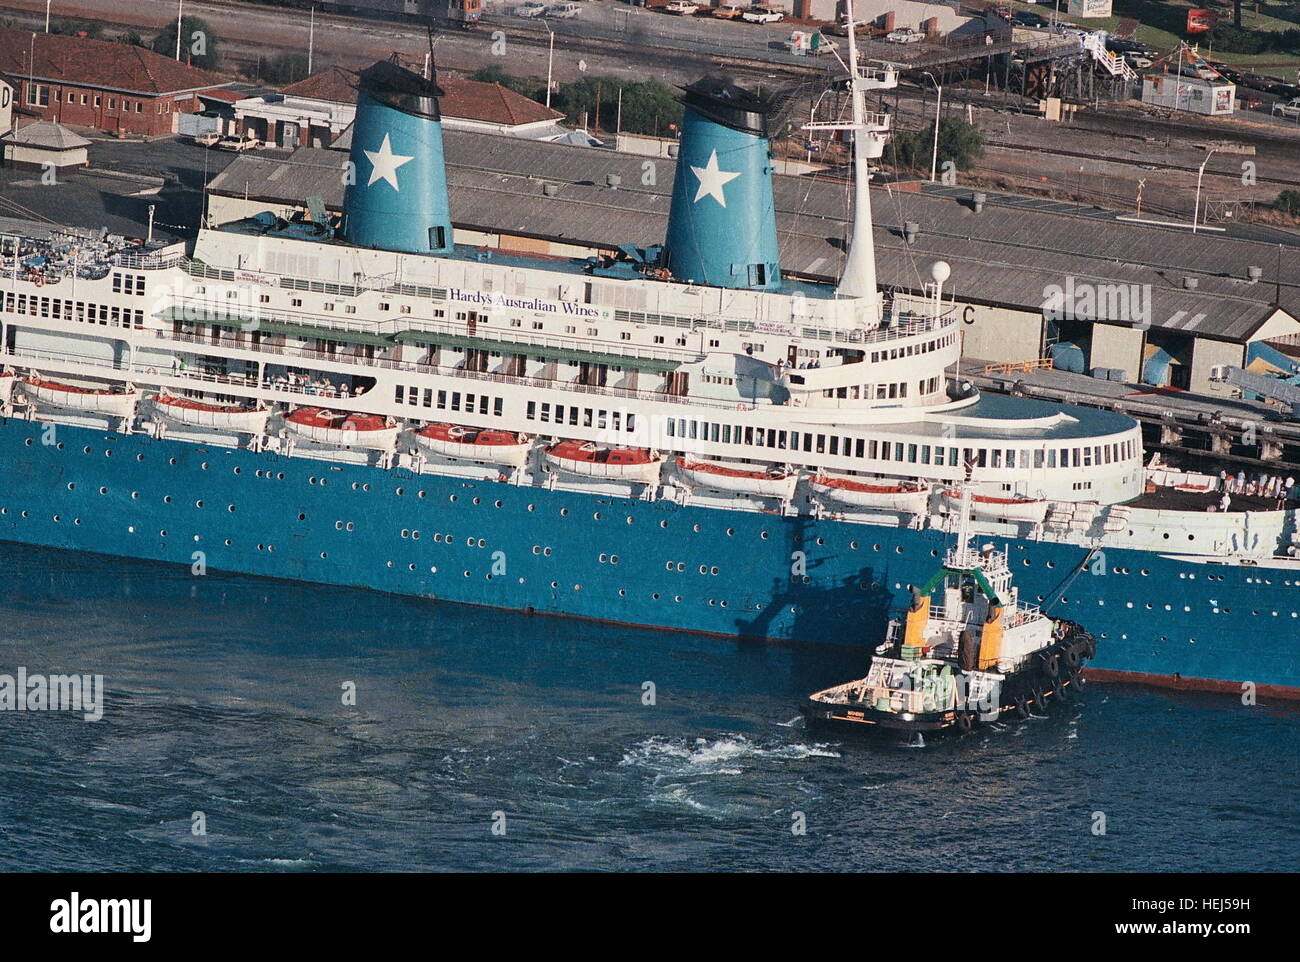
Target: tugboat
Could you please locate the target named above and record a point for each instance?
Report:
(967, 652)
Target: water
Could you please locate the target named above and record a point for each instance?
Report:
(224, 697)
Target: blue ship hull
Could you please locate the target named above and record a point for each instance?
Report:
(655, 564)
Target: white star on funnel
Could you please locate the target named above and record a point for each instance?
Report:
(712, 179)
(384, 163)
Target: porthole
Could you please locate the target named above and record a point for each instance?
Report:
(401, 491)
(496, 504)
(72, 486)
(411, 566)
(631, 520)
(613, 559)
(476, 500)
(622, 592)
(302, 517)
(86, 449)
(655, 596)
(350, 526)
(695, 528)
(324, 554)
(56, 518)
(898, 549)
(237, 470)
(703, 569)
(681, 566)
(594, 517)
(103, 490)
(199, 503)
(108, 452)
(424, 494)
(677, 598)
(713, 570)
(204, 465)
(390, 564)
(338, 525)
(482, 543)
(555, 584)
(731, 532)
(664, 524)
(171, 461)
(162, 533)
(139, 458)
(821, 541)
(405, 533)
(853, 546)
(763, 535)
(546, 552)
(603, 558)
(167, 499)
(27, 442)
(228, 542)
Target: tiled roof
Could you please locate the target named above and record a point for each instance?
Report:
(97, 63)
(46, 134)
(489, 103)
(334, 84)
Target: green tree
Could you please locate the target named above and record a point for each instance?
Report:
(959, 142)
(130, 39)
(77, 28)
(1288, 202)
(200, 45)
(285, 69)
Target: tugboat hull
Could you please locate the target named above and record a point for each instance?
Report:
(1053, 675)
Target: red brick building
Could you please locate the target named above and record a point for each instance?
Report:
(97, 83)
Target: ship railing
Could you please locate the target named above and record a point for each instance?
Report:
(203, 309)
(144, 371)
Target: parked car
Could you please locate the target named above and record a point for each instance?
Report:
(1256, 81)
(238, 143)
(682, 8)
(1137, 61)
(1288, 91)
(904, 35)
(531, 9)
(729, 11)
(1290, 108)
(208, 140)
(563, 11)
(1024, 18)
(1229, 74)
(762, 15)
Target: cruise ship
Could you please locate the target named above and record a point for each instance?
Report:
(676, 436)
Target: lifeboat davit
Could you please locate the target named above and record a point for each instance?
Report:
(342, 430)
(908, 496)
(474, 444)
(114, 402)
(220, 416)
(6, 386)
(993, 508)
(772, 482)
(589, 460)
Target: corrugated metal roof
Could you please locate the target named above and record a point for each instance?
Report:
(1002, 256)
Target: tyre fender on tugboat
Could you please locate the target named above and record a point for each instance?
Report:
(1052, 665)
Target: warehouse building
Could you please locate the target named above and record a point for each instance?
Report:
(1150, 304)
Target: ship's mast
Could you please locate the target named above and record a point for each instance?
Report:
(869, 132)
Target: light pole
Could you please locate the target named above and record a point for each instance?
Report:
(550, 60)
(180, 9)
(938, 103)
(47, 16)
(1196, 211)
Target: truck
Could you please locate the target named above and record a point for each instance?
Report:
(239, 142)
(1290, 108)
(762, 14)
